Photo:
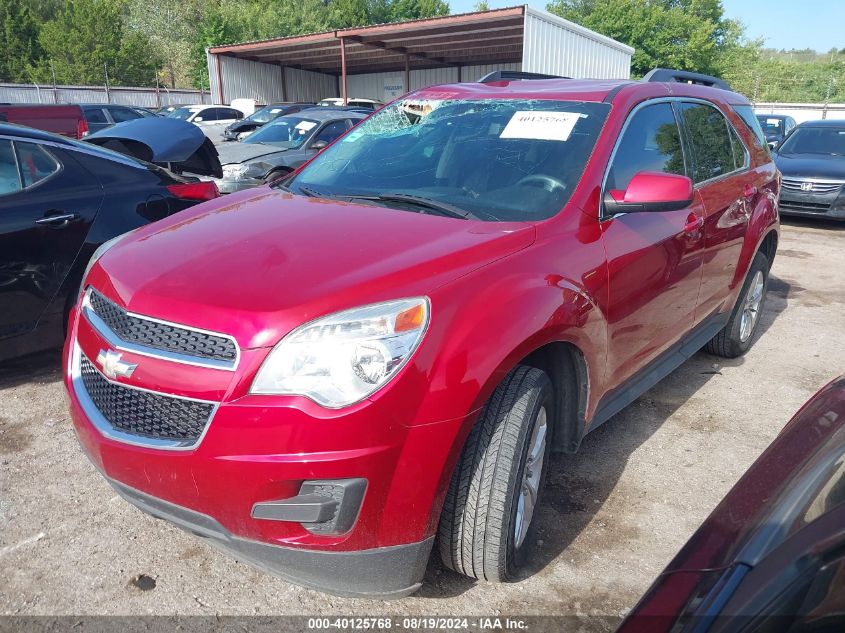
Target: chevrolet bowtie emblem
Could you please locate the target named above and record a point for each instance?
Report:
(112, 365)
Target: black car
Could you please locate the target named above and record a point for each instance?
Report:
(100, 116)
(281, 146)
(812, 161)
(245, 126)
(61, 199)
(776, 127)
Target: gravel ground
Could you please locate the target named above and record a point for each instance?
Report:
(614, 514)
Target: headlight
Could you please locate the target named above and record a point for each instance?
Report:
(342, 358)
(243, 170)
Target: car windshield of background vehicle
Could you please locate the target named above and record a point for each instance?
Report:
(286, 132)
(508, 160)
(827, 141)
(265, 115)
(181, 113)
(770, 125)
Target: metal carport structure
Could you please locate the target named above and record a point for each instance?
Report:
(384, 60)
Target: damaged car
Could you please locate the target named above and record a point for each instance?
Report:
(281, 146)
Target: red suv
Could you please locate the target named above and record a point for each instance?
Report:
(325, 374)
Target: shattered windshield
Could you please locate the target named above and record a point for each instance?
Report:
(498, 160)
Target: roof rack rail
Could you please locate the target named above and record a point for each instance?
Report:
(685, 77)
(512, 75)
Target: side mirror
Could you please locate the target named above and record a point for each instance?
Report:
(197, 119)
(318, 144)
(651, 191)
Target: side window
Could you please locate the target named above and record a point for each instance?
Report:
(10, 178)
(233, 114)
(740, 153)
(746, 113)
(651, 142)
(95, 115)
(209, 114)
(710, 141)
(331, 131)
(123, 114)
(35, 163)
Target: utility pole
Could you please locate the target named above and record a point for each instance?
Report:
(158, 94)
(108, 93)
(55, 88)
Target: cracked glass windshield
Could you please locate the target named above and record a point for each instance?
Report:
(495, 160)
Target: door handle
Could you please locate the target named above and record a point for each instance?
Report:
(749, 191)
(694, 223)
(58, 221)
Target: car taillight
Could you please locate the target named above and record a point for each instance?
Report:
(81, 128)
(203, 190)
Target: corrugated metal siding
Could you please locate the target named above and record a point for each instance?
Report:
(303, 85)
(556, 46)
(142, 97)
(245, 79)
(371, 86)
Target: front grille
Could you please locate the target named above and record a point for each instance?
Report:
(161, 336)
(816, 186)
(144, 413)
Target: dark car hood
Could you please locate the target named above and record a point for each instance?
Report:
(811, 166)
(171, 143)
(241, 152)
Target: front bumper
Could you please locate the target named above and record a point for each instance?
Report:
(811, 205)
(260, 450)
(386, 572)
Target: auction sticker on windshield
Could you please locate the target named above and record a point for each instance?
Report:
(540, 125)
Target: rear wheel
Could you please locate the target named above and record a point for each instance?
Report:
(738, 335)
(486, 525)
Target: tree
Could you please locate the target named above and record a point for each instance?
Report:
(682, 34)
(481, 5)
(18, 41)
(86, 39)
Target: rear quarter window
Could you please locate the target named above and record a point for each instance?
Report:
(746, 113)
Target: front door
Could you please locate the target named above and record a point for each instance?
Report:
(654, 258)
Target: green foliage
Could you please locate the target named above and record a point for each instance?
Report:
(87, 37)
(682, 34)
(18, 41)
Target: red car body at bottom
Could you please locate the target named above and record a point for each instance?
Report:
(623, 299)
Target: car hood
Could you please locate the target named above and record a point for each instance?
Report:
(232, 153)
(257, 264)
(811, 166)
(163, 141)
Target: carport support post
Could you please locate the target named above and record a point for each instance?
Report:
(343, 69)
(407, 73)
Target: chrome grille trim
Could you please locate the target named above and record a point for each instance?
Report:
(819, 185)
(108, 430)
(117, 342)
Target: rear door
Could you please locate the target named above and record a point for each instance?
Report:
(654, 258)
(47, 204)
(719, 162)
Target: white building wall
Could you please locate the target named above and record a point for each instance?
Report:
(556, 46)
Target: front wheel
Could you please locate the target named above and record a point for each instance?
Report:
(738, 335)
(486, 525)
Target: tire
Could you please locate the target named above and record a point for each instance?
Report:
(276, 174)
(478, 534)
(735, 338)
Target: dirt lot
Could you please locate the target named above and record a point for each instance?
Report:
(614, 515)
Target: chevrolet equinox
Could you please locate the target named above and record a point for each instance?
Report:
(329, 374)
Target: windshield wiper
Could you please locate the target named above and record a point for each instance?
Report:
(444, 208)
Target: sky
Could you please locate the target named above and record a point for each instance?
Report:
(816, 24)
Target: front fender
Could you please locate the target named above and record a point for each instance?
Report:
(764, 219)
